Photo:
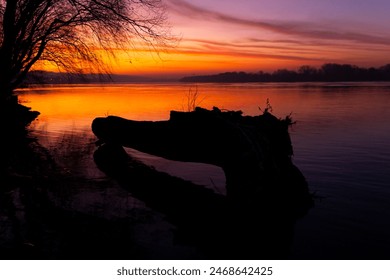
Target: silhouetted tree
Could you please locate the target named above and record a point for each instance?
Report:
(307, 73)
(284, 75)
(385, 72)
(340, 72)
(72, 34)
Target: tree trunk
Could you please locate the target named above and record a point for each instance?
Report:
(6, 50)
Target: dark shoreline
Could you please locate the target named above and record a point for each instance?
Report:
(37, 219)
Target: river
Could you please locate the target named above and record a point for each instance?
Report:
(341, 143)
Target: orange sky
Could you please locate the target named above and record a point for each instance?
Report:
(253, 35)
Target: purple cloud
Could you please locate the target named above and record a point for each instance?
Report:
(304, 30)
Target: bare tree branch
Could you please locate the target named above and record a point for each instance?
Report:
(72, 33)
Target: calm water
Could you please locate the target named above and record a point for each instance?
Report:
(341, 142)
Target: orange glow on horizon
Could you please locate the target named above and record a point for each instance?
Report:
(194, 60)
(214, 40)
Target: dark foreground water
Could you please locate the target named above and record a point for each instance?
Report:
(341, 142)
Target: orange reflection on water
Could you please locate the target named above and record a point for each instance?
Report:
(65, 108)
(85, 102)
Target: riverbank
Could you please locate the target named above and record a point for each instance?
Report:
(38, 220)
(48, 211)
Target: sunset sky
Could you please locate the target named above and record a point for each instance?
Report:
(253, 35)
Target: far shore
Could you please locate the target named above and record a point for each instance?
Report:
(329, 73)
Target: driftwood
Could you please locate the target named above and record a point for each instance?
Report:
(254, 152)
(264, 188)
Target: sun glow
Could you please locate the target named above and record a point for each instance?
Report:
(253, 37)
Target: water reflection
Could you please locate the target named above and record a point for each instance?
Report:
(341, 143)
(203, 218)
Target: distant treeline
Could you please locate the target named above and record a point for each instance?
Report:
(329, 72)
